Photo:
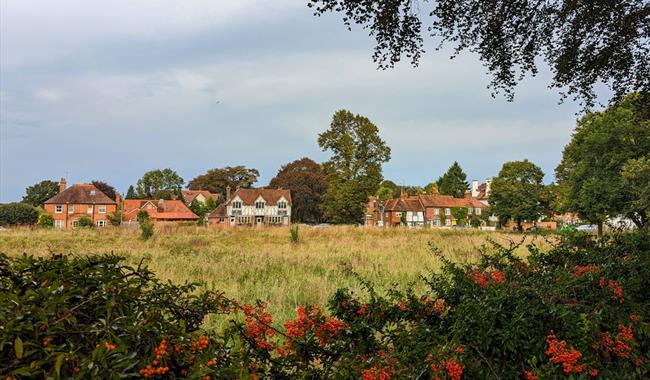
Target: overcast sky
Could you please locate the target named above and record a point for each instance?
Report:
(111, 89)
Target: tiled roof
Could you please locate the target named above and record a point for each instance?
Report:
(189, 195)
(438, 200)
(404, 204)
(270, 196)
(218, 212)
(420, 202)
(168, 210)
(81, 194)
(482, 191)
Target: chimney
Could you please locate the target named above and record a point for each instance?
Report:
(404, 194)
(474, 188)
(227, 193)
(62, 185)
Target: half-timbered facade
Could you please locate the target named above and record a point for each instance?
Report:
(257, 207)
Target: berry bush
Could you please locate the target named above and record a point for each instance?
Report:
(579, 311)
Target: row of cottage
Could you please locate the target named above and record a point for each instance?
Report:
(434, 210)
(242, 207)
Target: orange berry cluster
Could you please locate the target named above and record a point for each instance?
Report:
(110, 346)
(616, 288)
(151, 371)
(558, 353)
(47, 342)
(201, 344)
(153, 368)
(483, 279)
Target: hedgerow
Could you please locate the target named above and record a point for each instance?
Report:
(579, 311)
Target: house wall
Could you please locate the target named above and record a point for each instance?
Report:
(253, 212)
(80, 209)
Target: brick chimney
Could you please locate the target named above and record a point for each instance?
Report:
(62, 185)
(404, 194)
(228, 188)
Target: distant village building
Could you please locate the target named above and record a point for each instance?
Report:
(161, 210)
(190, 196)
(77, 201)
(254, 207)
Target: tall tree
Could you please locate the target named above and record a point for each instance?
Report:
(105, 188)
(308, 184)
(583, 42)
(387, 190)
(453, 182)
(354, 171)
(160, 184)
(516, 193)
(130, 193)
(592, 163)
(636, 178)
(216, 180)
(37, 194)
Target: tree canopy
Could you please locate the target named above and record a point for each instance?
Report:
(453, 182)
(18, 214)
(37, 194)
(216, 180)
(516, 193)
(308, 184)
(387, 190)
(354, 171)
(159, 184)
(105, 188)
(602, 166)
(583, 42)
(130, 193)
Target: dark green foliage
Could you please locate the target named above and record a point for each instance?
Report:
(216, 180)
(37, 194)
(12, 214)
(307, 182)
(592, 167)
(105, 188)
(45, 220)
(354, 171)
(115, 219)
(516, 193)
(460, 214)
(583, 42)
(146, 224)
(295, 238)
(160, 184)
(202, 209)
(130, 193)
(454, 182)
(85, 222)
(387, 190)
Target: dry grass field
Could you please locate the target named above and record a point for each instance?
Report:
(251, 264)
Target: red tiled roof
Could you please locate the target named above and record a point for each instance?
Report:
(420, 202)
(218, 212)
(189, 195)
(404, 204)
(482, 191)
(85, 193)
(438, 200)
(270, 196)
(168, 210)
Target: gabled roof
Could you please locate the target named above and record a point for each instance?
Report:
(190, 195)
(220, 211)
(270, 196)
(438, 200)
(482, 191)
(167, 209)
(404, 204)
(85, 193)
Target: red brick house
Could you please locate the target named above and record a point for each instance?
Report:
(77, 201)
(162, 210)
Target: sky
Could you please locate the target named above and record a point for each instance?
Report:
(108, 90)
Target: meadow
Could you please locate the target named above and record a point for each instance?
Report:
(263, 264)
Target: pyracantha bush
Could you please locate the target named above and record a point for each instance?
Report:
(579, 311)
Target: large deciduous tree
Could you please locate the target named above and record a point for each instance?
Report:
(37, 194)
(517, 192)
(354, 171)
(583, 42)
(453, 182)
(604, 146)
(105, 188)
(387, 190)
(216, 180)
(308, 185)
(160, 184)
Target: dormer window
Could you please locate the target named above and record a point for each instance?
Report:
(93, 193)
(259, 204)
(236, 204)
(282, 205)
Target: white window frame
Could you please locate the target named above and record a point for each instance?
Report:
(89, 210)
(282, 205)
(75, 223)
(477, 211)
(101, 223)
(70, 209)
(469, 211)
(59, 224)
(260, 205)
(447, 211)
(58, 209)
(399, 213)
(236, 204)
(447, 222)
(101, 209)
(436, 211)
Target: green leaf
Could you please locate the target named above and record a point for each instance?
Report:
(58, 363)
(18, 346)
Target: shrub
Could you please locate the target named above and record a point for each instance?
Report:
(18, 214)
(294, 234)
(85, 222)
(45, 220)
(146, 225)
(115, 219)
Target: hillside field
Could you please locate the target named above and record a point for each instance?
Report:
(252, 264)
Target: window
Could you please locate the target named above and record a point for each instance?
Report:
(436, 211)
(59, 223)
(102, 209)
(93, 193)
(447, 211)
(259, 204)
(275, 219)
(469, 211)
(478, 211)
(70, 209)
(282, 205)
(101, 223)
(75, 223)
(236, 204)
(58, 209)
(436, 222)
(448, 222)
(90, 209)
(398, 214)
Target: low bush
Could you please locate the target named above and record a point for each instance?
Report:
(85, 222)
(579, 311)
(12, 214)
(45, 220)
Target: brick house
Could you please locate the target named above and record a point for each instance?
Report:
(79, 200)
(434, 210)
(254, 207)
(162, 210)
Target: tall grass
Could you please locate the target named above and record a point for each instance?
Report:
(251, 264)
